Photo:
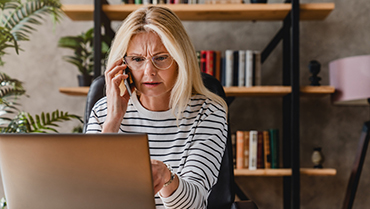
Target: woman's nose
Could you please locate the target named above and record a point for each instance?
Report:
(149, 68)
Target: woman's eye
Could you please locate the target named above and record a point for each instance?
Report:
(138, 59)
(161, 58)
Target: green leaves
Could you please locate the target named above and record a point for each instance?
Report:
(44, 123)
(23, 122)
(18, 18)
(82, 46)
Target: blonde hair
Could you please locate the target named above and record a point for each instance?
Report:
(170, 30)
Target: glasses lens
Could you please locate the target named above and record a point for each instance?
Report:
(162, 61)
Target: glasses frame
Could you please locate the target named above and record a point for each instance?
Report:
(149, 58)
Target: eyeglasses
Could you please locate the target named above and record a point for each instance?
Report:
(161, 61)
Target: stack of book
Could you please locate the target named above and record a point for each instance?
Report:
(256, 149)
(237, 68)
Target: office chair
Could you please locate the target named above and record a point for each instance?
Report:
(223, 194)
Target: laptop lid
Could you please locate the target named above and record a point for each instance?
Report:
(76, 171)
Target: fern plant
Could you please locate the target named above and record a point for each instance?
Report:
(12, 120)
(18, 17)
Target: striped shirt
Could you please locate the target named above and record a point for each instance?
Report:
(193, 145)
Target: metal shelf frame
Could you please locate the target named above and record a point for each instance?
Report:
(289, 35)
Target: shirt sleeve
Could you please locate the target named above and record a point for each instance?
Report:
(97, 117)
(203, 162)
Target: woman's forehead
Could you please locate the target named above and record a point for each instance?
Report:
(144, 43)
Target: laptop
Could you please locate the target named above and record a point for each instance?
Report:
(76, 171)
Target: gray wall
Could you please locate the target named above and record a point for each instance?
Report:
(335, 128)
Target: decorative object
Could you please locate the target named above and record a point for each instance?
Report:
(317, 157)
(83, 57)
(351, 78)
(314, 67)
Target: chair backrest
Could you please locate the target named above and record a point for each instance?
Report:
(222, 194)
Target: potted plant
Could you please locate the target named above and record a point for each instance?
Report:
(83, 57)
(16, 20)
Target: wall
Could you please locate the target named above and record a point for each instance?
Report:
(336, 129)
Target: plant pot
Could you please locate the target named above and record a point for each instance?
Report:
(258, 1)
(84, 80)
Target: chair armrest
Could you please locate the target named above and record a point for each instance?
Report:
(245, 204)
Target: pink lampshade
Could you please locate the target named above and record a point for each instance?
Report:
(351, 78)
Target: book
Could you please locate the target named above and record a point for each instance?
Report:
(274, 139)
(240, 150)
(267, 149)
(209, 62)
(235, 68)
(246, 149)
(249, 68)
(229, 67)
(260, 154)
(203, 61)
(233, 145)
(257, 68)
(241, 69)
(217, 65)
(253, 137)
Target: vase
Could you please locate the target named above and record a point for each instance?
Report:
(317, 157)
(84, 80)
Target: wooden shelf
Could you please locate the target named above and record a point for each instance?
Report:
(209, 12)
(258, 91)
(255, 91)
(285, 172)
(74, 91)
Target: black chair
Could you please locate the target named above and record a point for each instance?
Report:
(223, 193)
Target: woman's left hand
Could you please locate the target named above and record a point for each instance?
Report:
(161, 175)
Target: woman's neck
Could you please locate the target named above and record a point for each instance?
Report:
(161, 103)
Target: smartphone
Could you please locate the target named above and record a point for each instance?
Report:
(128, 81)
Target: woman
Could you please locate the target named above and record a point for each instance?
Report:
(186, 123)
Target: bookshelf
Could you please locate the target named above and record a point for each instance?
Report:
(285, 172)
(255, 91)
(209, 12)
(290, 14)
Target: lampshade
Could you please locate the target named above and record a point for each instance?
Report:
(351, 78)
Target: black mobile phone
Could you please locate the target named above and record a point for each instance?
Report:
(128, 82)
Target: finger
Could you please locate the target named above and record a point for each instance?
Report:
(115, 68)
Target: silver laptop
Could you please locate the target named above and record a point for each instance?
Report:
(76, 171)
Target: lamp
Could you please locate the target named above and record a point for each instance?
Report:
(351, 78)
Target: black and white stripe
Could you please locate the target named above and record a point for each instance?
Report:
(193, 145)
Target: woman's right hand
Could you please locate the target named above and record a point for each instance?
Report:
(116, 104)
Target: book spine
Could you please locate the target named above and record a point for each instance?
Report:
(217, 65)
(233, 144)
(203, 61)
(258, 65)
(274, 139)
(138, 2)
(155, 2)
(229, 59)
(249, 68)
(198, 59)
(145, 2)
(241, 82)
(260, 154)
(209, 63)
(246, 149)
(223, 71)
(239, 149)
(253, 137)
(267, 149)
(236, 68)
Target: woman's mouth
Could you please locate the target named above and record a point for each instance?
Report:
(151, 84)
